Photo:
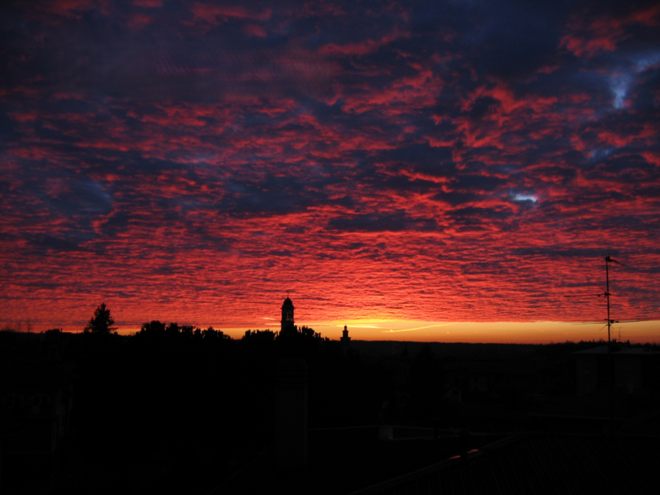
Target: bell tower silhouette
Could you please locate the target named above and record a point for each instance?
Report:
(288, 326)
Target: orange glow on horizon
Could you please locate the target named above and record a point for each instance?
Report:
(544, 332)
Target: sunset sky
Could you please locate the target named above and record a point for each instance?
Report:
(452, 169)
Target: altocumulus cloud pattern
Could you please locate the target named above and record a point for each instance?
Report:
(388, 159)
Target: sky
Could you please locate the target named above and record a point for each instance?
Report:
(424, 166)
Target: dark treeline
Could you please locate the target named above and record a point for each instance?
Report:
(157, 329)
(180, 408)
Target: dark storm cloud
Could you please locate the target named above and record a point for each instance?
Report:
(108, 55)
(274, 195)
(381, 222)
(513, 40)
(575, 252)
(422, 157)
(456, 198)
(79, 198)
(41, 244)
(483, 214)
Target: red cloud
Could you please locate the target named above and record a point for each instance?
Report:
(211, 12)
(362, 47)
(148, 3)
(139, 21)
(587, 38)
(255, 30)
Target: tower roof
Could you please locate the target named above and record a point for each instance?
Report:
(287, 302)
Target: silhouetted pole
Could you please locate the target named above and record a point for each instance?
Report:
(610, 367)
(607, 294)
(609, 345)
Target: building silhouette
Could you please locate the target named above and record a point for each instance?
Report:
(345, 339)
(287, 325)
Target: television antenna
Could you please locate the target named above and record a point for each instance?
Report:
(608, 260)
(606, 293)
(610, 321)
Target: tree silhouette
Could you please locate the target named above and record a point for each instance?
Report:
(153, 329)
(101, 323)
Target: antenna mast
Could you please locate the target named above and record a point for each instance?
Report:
(609, 260)
(610, 370)
(607, 294)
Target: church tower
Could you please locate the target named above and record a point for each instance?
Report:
(345, 339)
(287, 318)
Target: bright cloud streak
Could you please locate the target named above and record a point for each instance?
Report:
(418, 328)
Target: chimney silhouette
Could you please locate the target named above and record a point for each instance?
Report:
(291, 413)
